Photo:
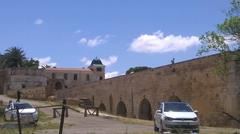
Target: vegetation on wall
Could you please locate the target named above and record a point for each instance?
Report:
(225, 39)
(14, 57)
(136, 69)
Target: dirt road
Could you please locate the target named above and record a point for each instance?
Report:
(76, 123)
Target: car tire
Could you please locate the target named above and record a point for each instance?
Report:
(156, 129)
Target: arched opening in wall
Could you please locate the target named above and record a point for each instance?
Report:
(121, 109)
(145, 110)
(102, 107)
(58, 85)
(174, 98)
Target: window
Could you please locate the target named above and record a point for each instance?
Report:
(23, 86)
(87, 77)
(75, 77)
(101, 77)
(65, 76)
(53, 75)
(99, 69)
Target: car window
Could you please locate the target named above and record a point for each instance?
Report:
(177, 107)
(22, 105)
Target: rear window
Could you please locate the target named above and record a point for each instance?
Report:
(177, 107)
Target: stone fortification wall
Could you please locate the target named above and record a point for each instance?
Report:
(3, 75)
(37, 93)
(195, 81)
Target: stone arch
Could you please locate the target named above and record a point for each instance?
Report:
(102, 107)
(145, 110)
(58, 85)
(174, 98)
(121, 109)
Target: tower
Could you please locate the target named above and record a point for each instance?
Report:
(98, 68)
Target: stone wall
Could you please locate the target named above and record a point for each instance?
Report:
(2, 80)
(36, 93)
(195, 81)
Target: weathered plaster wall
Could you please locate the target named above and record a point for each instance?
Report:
(193, 81)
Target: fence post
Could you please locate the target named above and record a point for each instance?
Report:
(62, 116)
(18, 96)
(19, 122)
(85, 111)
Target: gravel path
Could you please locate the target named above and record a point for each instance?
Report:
(76, 123)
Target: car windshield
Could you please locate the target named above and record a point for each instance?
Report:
(22, 105)
(177, 107)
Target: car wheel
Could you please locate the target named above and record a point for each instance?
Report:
(156, 129)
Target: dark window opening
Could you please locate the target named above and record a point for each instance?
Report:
(99, 69)
(58, 86)
(75, 77)
(88, 77)
(53, 75)
(100, 77)
(23, 86)
(65, 76)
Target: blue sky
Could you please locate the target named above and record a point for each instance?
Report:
(123, 33)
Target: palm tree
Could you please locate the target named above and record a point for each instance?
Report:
(14, 57)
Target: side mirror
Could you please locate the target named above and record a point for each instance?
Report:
(159, 111)
(195, 111)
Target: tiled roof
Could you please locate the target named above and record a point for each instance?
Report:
(68, 69)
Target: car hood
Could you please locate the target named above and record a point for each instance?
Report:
(186, 115)
(28, 110)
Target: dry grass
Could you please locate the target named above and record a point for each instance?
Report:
(45, 122)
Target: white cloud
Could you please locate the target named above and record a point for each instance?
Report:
(86, 61)
(111, 74)
(39, 21)
(110, 60)
(45, 61)
(158, 43)
(106, 61)
(98, 40)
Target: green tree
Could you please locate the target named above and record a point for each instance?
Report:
(136, 69)
(225, 39)
(31, 63)
(14, 57)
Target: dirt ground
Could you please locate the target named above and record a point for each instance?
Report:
(76, 123)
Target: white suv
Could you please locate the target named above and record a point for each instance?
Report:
(28, 114)
(176, 117)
